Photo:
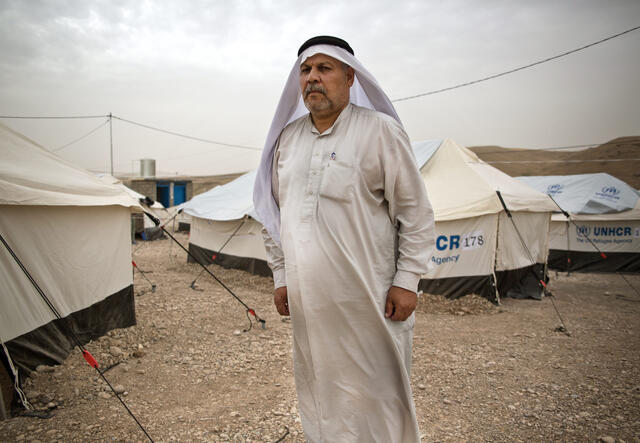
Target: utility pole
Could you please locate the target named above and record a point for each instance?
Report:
(111, 140)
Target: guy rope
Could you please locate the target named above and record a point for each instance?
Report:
(540, 279)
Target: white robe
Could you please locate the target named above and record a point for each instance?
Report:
(355, 220)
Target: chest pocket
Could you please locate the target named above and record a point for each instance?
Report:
(338, 181)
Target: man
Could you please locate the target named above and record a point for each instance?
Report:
(348, 233)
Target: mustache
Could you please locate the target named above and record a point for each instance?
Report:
(314, 88)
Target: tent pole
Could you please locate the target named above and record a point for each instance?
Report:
(111, 140)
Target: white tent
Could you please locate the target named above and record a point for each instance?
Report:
(476, 243)
(224, 228)
(604, 216)
(156, 208)
(477, 246)
(71, 231)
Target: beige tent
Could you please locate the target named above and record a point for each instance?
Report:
(478, 248)
(71, 231)
(145, 226)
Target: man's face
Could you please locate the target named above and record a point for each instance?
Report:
(325, 83)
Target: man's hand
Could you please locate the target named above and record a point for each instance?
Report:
(281, 300)
(400, 303)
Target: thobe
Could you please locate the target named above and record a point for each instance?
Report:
(355, 220)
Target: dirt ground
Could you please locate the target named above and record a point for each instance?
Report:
(191, 372)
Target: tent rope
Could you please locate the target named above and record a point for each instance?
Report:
(141, 272)
(16, 381)
(193, 283)
(248, 309)
(526, 248)
(86, 354)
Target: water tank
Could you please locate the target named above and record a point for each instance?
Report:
(147, 167)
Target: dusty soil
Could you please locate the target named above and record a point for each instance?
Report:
(191, 372)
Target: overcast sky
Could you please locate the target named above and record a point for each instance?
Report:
(215, 70)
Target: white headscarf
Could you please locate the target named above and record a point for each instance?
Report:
(364, 92)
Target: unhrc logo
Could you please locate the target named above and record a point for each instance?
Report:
(554, 189)
(610, 190)
(583, 231)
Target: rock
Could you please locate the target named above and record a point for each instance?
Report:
(422, 387)
(51, 405)
(43, 368)
(606, 439)
(119, 389)
(115, 351)
(237, 332)
(138, 354)
(235, 414)
(104, 395)
(33, 395)
(446, 401)
(46, 398)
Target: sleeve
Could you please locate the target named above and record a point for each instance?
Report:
(275, 256)
(409, 209)
(275, 259)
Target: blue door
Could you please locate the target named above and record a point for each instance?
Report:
(179, 193)
(162, 191)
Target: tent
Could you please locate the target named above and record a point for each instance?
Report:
(225, 229)
(71, 231)
(604, 216)
(145, 227)
(478, 248)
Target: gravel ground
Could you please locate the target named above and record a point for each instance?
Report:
(190, 371)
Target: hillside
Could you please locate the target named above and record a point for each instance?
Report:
(564, 162)
(536, 162)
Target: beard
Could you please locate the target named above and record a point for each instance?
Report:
(317, 104)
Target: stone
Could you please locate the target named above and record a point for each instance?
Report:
(33, 395)
(46, 398)
(44, 368)
(119, 389)
(606, 439)
(115, 351)
(237, 332)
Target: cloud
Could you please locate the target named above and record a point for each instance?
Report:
(215, 69)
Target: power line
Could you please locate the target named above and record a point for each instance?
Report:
(511, 71)
(82, 137)
(52, 118)
(177, 134)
